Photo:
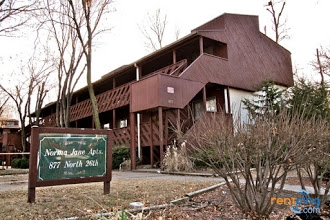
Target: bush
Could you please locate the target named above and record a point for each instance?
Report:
(15, 163)
(203, 160)
(22, 163)
(25, 163)
(272, 144)
(119, 153)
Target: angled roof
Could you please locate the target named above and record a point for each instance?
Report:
(252, 56)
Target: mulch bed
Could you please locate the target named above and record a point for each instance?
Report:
(218, 205)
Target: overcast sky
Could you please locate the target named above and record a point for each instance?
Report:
(307, 20)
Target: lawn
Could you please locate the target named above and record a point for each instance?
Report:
(85, 200)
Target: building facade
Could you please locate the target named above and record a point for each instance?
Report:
(212, 69)
(10, 139)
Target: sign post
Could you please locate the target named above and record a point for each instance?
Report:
(68, 156)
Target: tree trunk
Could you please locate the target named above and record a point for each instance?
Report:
(91, 88)
(23, 138)
(89, 72)
(320, 67)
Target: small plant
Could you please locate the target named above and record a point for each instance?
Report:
(176, 160)
(118, 215)
(119, 153)
(22, 163)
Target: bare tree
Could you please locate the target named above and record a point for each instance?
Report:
(3, 105)
(154, 30)
(68, 57)
(322, 64)
(279, 26)
(315, 98)
(177, 33)
(311, 101)
(14, 14)
(26, 89)
(85, 18)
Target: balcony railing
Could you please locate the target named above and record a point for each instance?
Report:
(107, 101)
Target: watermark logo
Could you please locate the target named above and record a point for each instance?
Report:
(301, 204)
(310, 205)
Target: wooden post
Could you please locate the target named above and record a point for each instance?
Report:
(114, 110)
(166, 128)
(204, 98)
(201, 50)
(32, 164)
(114, 83)
(106, 184)
(151, 141)
(113, 118)
(178, 119)
(132, 153)
(174, 56)
(161, 133)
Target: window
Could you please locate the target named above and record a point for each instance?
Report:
(198, 109)
(106, 126)
(10, 123)
(123, 123)
(211, 104)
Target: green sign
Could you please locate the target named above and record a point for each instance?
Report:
(65, 156)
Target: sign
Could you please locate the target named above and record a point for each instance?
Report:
(170, 90)
(62, 156)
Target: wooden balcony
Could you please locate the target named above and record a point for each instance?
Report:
(107, 101)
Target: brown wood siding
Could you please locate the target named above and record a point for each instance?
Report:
(252, 56)
(145, 94)
(207, 68)
(153, 92)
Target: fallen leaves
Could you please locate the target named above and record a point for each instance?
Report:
(87, 199)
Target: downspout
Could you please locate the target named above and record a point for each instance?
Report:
(138, 117)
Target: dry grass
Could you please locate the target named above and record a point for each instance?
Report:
(84, 200)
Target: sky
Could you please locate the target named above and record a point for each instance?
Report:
(124, 44)
(306, 20)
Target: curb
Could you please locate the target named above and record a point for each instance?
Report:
(175, 173)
